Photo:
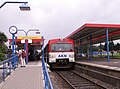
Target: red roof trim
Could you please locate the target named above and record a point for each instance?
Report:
(110, 34)
(103, 25)
(95, 25)
(103, 36)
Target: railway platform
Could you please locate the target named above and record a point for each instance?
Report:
(28, 77)
(113, 63)
(106, 73)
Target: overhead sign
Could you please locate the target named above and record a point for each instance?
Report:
(29, 37)
(22, 41)
(29, 41)
(37, 32)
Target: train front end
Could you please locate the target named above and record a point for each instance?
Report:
(61, 54)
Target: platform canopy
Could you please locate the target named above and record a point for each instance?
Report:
(98, 32)
(35, 41)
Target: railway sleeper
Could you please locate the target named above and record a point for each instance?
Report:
(87, 87)
(80, 84)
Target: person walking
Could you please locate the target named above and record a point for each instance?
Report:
(22, 56)
(19, 55)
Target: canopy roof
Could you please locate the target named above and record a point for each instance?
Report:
(98, 32)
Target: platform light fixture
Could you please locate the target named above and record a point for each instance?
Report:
(23, 7)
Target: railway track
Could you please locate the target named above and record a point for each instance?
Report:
(75, 81)
(58, 82)
(72, 80)
(107, 77)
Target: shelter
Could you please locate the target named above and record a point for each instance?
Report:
(31, 44)
(93, 34)
(35, 41)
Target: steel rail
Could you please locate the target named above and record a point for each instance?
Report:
(66, 80)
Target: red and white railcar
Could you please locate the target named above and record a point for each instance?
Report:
(59, 53)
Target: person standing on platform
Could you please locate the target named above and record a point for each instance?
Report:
(19, 55)
(22, 56)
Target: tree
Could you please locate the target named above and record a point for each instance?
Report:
(111, 46)
(95, 48)
(3, 38)
(105, 46)
(3, 47)
(117, 47)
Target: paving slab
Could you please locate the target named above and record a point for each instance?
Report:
(29, 77)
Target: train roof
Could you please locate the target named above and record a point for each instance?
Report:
(60, 39)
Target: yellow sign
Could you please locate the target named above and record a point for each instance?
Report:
(29, 37)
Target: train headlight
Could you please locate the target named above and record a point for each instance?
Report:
(71, 56)
(51, 56)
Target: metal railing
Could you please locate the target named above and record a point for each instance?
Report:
(48, 83)
(7, 65)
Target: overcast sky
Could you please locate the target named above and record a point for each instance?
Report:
(58, 18)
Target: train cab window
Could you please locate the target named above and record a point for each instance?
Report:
(61, 47)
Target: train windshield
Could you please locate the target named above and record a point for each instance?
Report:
(61, 47)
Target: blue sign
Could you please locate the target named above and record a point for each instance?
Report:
(62, 55)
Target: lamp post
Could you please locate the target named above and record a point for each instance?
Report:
(26, 41)
(24, 7)
(13, 29)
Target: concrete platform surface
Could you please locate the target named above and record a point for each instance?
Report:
(29, 77)
(111, 64)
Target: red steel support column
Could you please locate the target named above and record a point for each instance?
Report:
(26, 42)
